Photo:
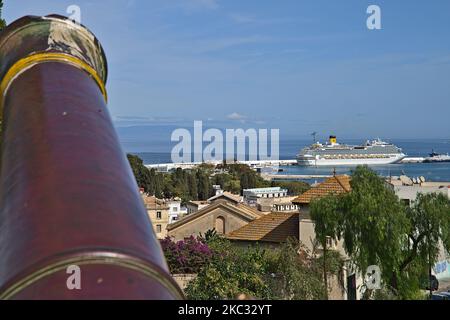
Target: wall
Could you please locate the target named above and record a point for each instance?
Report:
(208, 222)
(164, 221)
(183, 279)
(442, 268)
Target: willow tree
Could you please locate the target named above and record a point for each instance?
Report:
(375, 225)
(429, 232)
(378, 229)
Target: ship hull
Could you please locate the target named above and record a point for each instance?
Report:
(436, 161)
(320, 162)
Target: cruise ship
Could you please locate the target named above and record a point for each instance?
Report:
(374, 152)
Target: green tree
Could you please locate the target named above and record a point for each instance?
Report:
(295, 276)
(280, 273)
(180, 183)
(204, 186)
(2, 21)
(192, 187)
(374, 226)
(429, 228)
(328, 219)
(228, 182)
(233, 186)
(247, 177)
(378, 229)
(156, 184)
(141, 173)
(233, 271)
(294, 188)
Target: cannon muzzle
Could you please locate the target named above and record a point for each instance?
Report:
(70, 209)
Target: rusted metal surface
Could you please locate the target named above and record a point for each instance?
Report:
(68, 196)
(53, 33)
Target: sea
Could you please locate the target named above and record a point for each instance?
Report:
(154, 152)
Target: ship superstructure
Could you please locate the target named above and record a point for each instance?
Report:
(437, 157)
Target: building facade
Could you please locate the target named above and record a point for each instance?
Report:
(158, 211)
(277, 204)
(251, 196)
(334, 185)
(407, 190)
(175, 210)
(194, 206)
(222, 215)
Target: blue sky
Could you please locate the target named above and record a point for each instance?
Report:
(297, 65)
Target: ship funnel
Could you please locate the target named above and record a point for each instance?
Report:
(333, 140)
(72, 222)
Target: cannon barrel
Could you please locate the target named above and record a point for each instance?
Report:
(70, 207)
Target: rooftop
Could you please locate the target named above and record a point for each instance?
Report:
(333, 185)
(265, 190)
(198, 203)
(280, 201)
(151, 202)
(273, 227)
(231, 196)
(415, 182)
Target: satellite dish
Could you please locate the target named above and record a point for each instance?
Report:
(406, 181)
(414, 180)
(422, 179)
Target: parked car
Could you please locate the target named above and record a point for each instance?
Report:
(433, 281)
(439, 296)
(447, 294)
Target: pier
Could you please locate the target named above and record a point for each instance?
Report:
(255, 164)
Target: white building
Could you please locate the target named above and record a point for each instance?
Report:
(175, 210)
(408, 189)
(195, 206)
(251, 196)
(283, 204)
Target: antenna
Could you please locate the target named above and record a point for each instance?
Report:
(314, 134)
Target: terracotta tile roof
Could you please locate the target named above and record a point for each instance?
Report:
(250, 210)
(336, 184)
(274, 227)
(198, 203)
(233, 197)
(151, 202)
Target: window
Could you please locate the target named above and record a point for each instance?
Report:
(329, 242)
(175, 209)
(159, 215)
(158, 228)
(407, 202)
(220, 225)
